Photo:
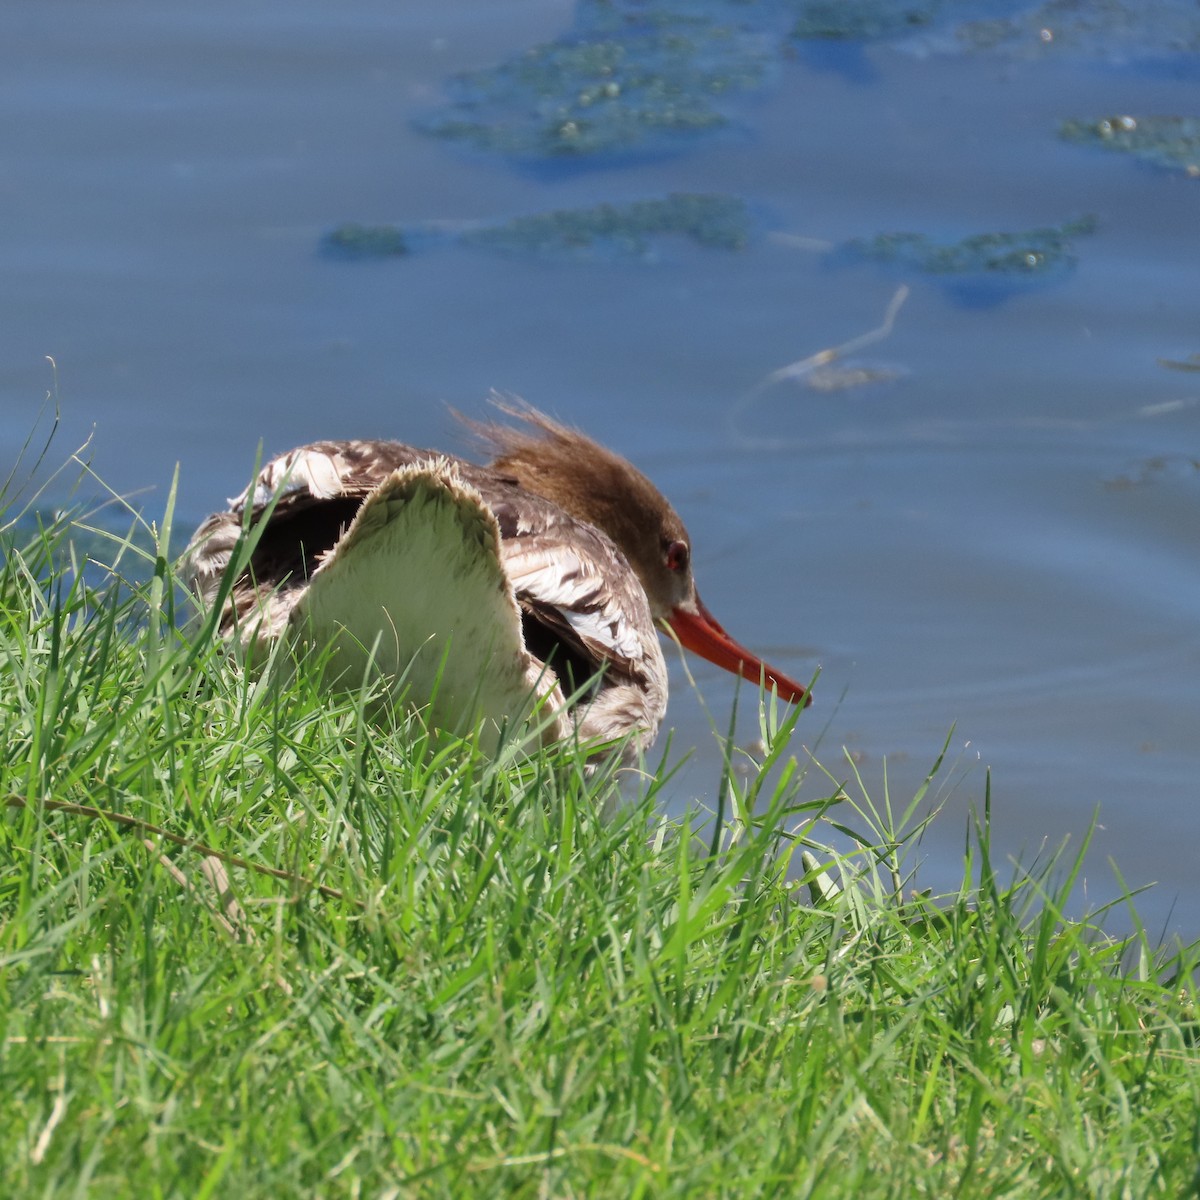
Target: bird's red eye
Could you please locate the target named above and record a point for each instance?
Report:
(677, 556)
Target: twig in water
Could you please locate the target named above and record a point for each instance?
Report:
(822, 358)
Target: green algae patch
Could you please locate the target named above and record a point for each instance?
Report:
(863, 20)
(368, 241)
(1157, 468)
(623, 230)
(1191, 363)
(617, 231)
(1027, 252)
(1102, 29)
(982, 269)
(1172, 142)
(635, 77)
(628, 78)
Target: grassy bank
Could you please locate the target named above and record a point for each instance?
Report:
(255, 944)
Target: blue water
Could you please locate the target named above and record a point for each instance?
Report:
(999, 535)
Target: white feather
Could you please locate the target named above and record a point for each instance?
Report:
(415, 593)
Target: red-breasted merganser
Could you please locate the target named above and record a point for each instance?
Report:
(484, 592)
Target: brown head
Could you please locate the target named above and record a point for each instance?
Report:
(603, 489)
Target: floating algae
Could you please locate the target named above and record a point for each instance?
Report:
(863, 20)
(1114, 30)
(1172, 142)
(1105, 29)
(1191, 363)
(604, 230)
(630, 76)
(1156, 469)
(368, 241)
(1023, 253)
(986, 267)
(623, 230)
(638, 76)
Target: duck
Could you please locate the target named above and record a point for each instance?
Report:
(528, 593)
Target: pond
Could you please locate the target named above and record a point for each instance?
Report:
(246, 224)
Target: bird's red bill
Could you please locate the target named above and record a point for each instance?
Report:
(701, 633)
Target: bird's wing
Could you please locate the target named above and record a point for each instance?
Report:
(416, 594)
(302, 502)
(586, 614)
(326, 471)
(572, 580)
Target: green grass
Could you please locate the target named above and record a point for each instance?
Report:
(512, 984)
